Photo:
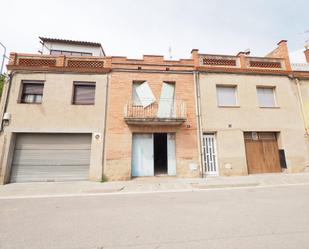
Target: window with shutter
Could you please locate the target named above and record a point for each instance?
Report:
(32, 92)
(84, 93)
(266, 97)
(226, 96)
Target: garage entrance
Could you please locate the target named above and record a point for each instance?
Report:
(153, 154)
(51, 157)
(262, 152)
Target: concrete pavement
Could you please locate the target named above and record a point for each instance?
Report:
(148, 185)
(232, 218)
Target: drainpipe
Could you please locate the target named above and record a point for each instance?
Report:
(105, 124)
(301, 104)
(199, 119)
(6, 99)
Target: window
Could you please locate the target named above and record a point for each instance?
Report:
(226, 95)
(84, 93)
(266, 97)
(32, 92)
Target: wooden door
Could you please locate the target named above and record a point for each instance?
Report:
(262, 152)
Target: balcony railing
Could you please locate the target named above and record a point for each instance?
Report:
(161, 112)
(60, 62)
(300, 66)
(238, 62)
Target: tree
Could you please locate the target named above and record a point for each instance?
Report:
(2, 78)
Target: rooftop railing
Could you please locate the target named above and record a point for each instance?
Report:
(54, 62)
(226, 61)
(300, 66)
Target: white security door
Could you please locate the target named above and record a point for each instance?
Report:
(171, 154)
(210, 154)
(142, 155)
(167, 101)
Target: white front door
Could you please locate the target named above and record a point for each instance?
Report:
(210, 154)
(166, 107)
(142, 155)
(171, 155)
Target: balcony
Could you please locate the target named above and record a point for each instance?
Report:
(161, 112)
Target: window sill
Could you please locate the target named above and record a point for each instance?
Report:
(269, 107)
(25, 103)
(229, 106)
(82, 104)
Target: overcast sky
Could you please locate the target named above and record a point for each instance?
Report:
(136, 27)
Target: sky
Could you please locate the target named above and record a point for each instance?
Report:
(135, 27)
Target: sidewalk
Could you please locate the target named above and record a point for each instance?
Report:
(148, 184)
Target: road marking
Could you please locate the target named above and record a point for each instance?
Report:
(13, 197)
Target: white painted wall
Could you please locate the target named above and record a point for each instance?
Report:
(96, 51)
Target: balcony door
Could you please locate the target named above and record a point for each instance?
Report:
(166, 107)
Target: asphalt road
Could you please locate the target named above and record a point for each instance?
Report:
(249, 218)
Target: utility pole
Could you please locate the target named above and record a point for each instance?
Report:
(3, 57)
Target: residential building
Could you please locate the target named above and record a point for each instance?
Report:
(73, 113)
(54, 46)
(151, 123)
(54, 115)
(250, 116)
(301, 81)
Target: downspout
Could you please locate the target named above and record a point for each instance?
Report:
(301, 104)
(199, 119)
(105, 124)
(6, 99)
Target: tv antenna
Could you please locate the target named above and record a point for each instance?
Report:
(170, 52)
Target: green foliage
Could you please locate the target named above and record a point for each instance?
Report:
(2, 77)
(104, 178)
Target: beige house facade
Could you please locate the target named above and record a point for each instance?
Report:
(230, 123)
(54, 138)
(251, 120)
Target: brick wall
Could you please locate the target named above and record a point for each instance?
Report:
(119, 134)
(281, 52)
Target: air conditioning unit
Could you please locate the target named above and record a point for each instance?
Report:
(7, 116)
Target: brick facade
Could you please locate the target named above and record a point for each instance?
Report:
(119, 134)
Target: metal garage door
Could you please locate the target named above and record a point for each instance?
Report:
(51, 157)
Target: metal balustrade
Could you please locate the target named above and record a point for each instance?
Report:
(162, 111)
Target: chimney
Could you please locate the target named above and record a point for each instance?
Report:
(195, 56)
(242, 59)
(284, 53)
(307, 54)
